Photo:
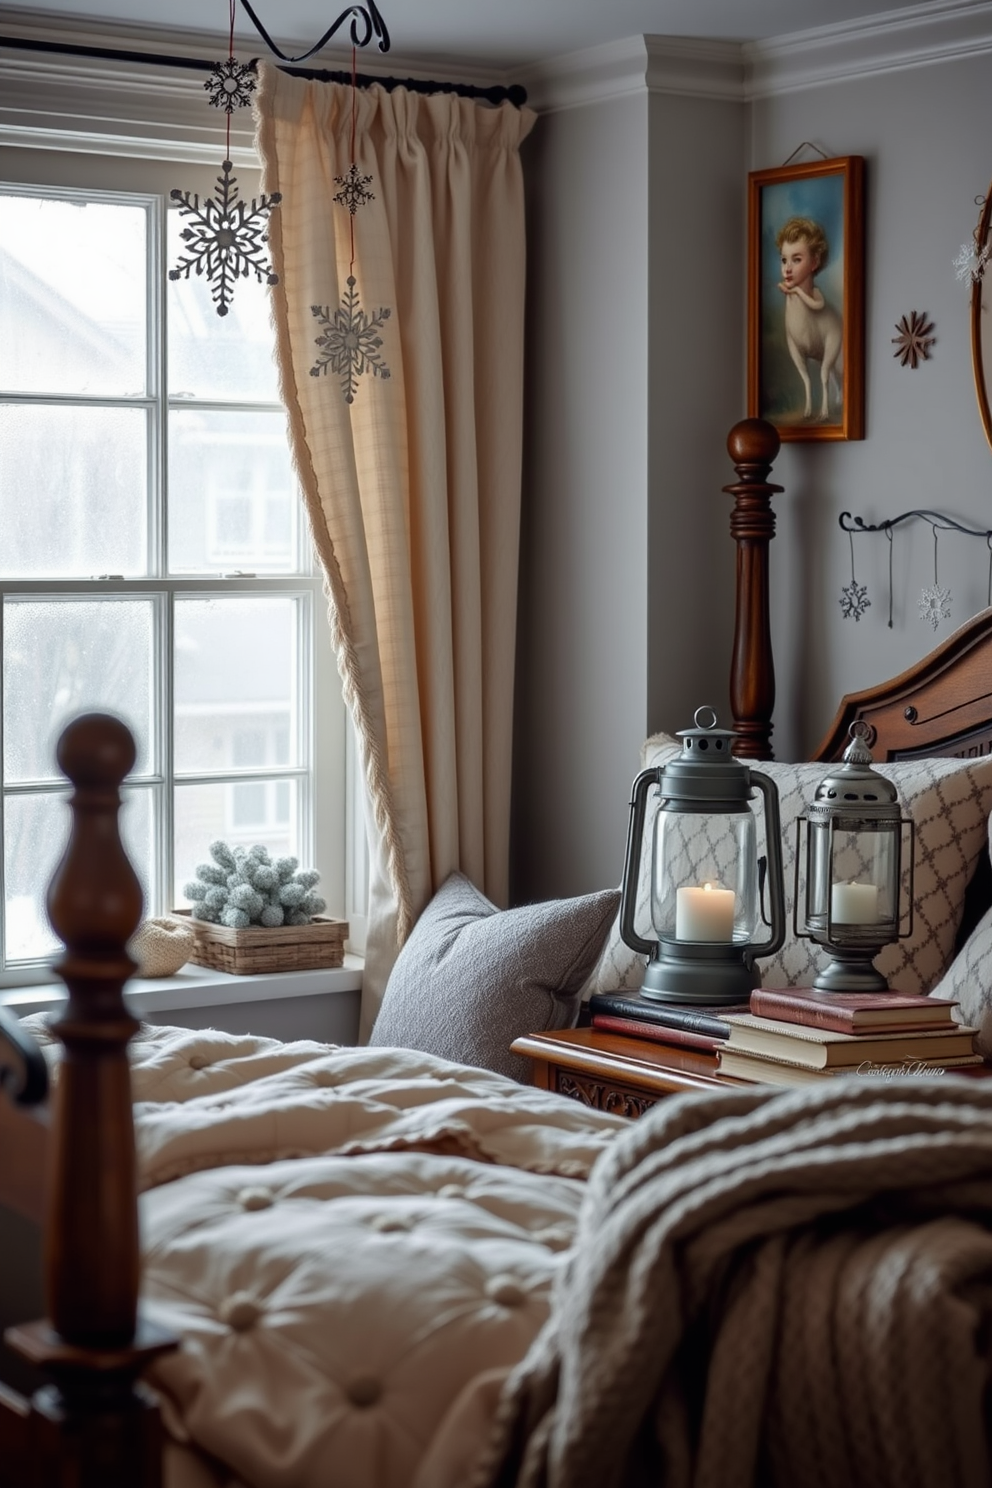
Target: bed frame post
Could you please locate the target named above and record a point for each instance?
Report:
(753, 445)
(94, 1427)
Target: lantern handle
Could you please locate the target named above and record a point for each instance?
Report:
(773, 843)
(632, 863)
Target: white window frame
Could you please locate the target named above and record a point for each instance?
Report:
(332, 827)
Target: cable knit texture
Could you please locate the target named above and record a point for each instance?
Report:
(769, 1290)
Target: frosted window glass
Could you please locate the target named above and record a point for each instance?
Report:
(36, 830)
(228, 357)
(235, 684)
(72, 297)
(66, 657)
(233, 499)
(262, 811)
(73, 485)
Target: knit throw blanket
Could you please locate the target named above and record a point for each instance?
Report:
(771, 1290)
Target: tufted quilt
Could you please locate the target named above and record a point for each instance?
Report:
(351, 1243)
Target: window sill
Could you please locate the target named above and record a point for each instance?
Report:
(200, 987)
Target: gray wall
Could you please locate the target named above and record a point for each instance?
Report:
(582, 705)
(636, 372)
(924, 135)
(625, 618)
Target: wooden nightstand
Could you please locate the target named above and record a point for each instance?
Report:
(611, 1073)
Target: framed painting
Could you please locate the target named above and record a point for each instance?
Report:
(806, 293)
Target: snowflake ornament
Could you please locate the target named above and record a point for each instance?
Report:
(913, 343)
(969, 266)
(353, 193)
(935, 604)
(231, 85)
(854, 600)
(349, 341)
(227, 239)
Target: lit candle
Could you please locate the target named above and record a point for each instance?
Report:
(854, 904)
(706, 913)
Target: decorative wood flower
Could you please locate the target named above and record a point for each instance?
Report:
(914, 340)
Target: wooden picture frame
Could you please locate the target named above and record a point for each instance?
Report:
(806, 293)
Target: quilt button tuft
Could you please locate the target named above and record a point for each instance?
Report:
(363, 1391)
(239, 1311)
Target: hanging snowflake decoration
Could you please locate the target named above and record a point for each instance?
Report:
(353, 193)
(914, 340)
(969, 266)
(349, 344)
(227, 239)
(854, 600)
(231, 85)
(935, 604)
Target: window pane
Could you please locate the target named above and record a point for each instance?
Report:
(72, 297)
(244, 813)
(36, 830)
(233, 500)
(235, 684)
(66, 657)
(224, 357)
(73, 487)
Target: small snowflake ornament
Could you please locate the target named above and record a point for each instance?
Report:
(231, 85)
(349, 343)
(353, 193)
(854, 600)
(914, 340)
(935, 604)
(969, 266)
(227, 238)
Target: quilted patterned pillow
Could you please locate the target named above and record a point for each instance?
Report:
(948, 800)
(969, 980)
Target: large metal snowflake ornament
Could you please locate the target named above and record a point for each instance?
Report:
(353, 193)
(231, 85)
(935, 605)
(349, 344)
(227, 239)
(854, 600)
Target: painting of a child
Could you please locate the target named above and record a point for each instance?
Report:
(813, 330)
(805, 351)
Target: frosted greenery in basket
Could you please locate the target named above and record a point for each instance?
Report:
(245, 886)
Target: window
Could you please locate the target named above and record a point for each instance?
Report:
(153, 557)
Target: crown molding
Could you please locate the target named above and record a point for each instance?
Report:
(916, 36)
(687, 67)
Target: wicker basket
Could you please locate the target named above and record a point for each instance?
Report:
(284, 948)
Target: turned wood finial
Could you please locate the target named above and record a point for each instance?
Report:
(753, 445)
(94, 904)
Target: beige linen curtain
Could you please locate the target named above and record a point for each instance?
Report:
(413, 487)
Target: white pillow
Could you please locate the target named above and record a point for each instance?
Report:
(948, 801)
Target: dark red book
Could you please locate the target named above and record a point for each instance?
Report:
(657, 1033)
(853, 1012)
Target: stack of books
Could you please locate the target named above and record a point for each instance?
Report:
(794, 1036)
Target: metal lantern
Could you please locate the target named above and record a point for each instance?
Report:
(707, 882)
(853, 859)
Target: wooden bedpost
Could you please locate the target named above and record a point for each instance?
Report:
(94, 1427)
(753, 445)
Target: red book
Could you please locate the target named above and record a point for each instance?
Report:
(853, 1012)
(657, 1033)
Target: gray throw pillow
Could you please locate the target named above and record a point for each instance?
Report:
(472, 978)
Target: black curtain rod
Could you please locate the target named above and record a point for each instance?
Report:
(514, 93)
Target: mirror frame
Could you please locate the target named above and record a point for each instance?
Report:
(983, 375)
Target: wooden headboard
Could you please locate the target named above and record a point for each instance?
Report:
(940, 706)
